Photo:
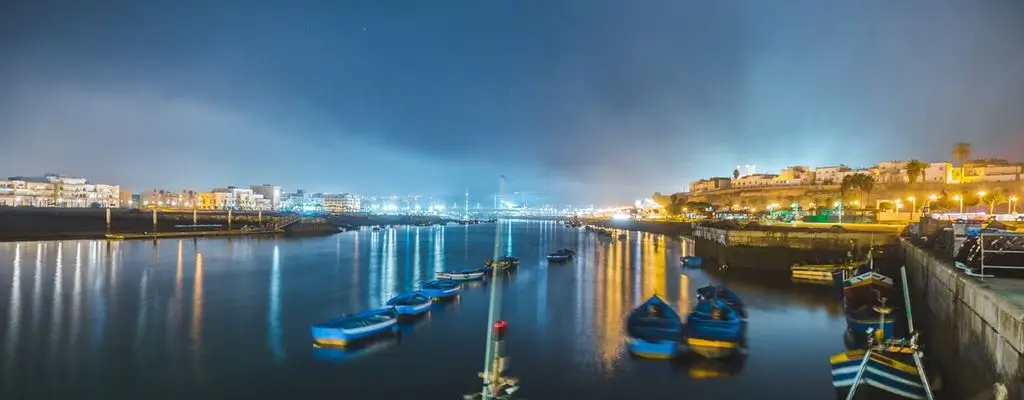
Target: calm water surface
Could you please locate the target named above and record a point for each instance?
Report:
(211, 318)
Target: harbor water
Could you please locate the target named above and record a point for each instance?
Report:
(230, 318)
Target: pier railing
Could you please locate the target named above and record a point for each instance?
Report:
(283, 222)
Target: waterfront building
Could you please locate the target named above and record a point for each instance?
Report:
(235, 198)
(991, 171)
(160, 198)
(338, 203)
(795, 175)
(709, 184)
(939, 172)
(272, 194)
(53, 190)
(125, 198)
(892, 172)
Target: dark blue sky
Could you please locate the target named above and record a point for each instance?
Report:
(578, 101)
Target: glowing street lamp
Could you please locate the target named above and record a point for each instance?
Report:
(839, 205)
(961, 200)
(913, 205)
(1010, 207)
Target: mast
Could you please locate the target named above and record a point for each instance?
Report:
(492, 380)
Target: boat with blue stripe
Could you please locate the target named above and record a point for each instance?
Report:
(411, 304)
(864, 298)
(886, 375)
(691, 261)
(714, 329)
(654, 330)
(348, 329)
(725, 294)
(441, 288)
(562, 255)
(474, 274)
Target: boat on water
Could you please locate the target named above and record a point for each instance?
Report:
(890, 373)
(654, 330)
(411, 304)
(820, 273)
(474, 274)
(441, 288)
(691, 261)
(562, 255)
(725, 294)
(503, 264)
(886, 369)
(714, 329)
(864, 299)
(348, 329)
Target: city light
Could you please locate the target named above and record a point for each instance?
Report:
(620, 216)
(933, 197)
(981, 193)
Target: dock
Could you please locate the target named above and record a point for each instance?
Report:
(166, 235)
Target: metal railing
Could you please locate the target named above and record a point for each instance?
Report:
(1014, 240)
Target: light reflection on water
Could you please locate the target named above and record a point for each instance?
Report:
(130, 319)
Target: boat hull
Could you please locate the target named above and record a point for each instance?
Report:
(559, 258)
(412, 310)
(442, 292)
(662, 350)
(713, 349)
(342, 337)
(691, 261)
(462, 276)
(858, 327)
(887, 376)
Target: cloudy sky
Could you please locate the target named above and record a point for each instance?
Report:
(592, 101)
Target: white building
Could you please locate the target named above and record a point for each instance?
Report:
(337, 203)
(991, 172)
(938, 172)
(235, 198)
(54, 190)
(831, 175)
(271, 194)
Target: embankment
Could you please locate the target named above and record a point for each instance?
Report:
(90, 223)
(974, 330)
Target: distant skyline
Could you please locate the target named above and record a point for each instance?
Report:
(595, 101)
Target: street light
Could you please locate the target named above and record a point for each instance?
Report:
(961, 200)
(913, 206)
(981, 195)
(839, 205)
(1010, 206)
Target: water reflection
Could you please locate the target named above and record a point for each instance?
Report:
(56, 312)
(274, 310)
(196, 326)
(13, 317)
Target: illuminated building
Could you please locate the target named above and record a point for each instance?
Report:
(54, 190)
(271, 193)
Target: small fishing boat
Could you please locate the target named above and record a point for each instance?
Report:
(503, 264)
(822, 273)
(411, 304)
(347, 329)
(474, 274)
(441, 288)
(562, 255)
(887, 369)
(713, 329)
(654, 330)
(725, 294)
(864, 298)
(691, 261)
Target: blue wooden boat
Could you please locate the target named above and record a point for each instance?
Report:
(713, 329)
(562, 255)
(864, 298)
(691, 261)
(411, 304)
(441, 288)
(654, 330)
(725, 294)
(474, 274)
(888, 375)
(347, 329)
(503, 264)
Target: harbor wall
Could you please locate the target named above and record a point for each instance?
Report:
(778, 250)
(975, 332)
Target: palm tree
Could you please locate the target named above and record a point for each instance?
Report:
(961, 153)
(915, 170)
(864, 182)
(736, 173)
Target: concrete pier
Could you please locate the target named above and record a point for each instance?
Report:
(974, 327)
(778, 250)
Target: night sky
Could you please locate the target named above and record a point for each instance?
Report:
(574, 101)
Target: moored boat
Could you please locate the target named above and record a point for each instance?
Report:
(562, 255)
(864, 298)
(725, 294)
(464, 275)
(503, 264)
(887, 375)
(691, 261)
(411, 304)
(441, 288)
(822, 273)
(654, 330)
(348, 329)
(713, 329)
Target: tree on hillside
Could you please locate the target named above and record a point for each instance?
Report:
(736, 173)
(673, 208)
(866, 184)
(661, 199)
(915, 171)
(961, 153)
